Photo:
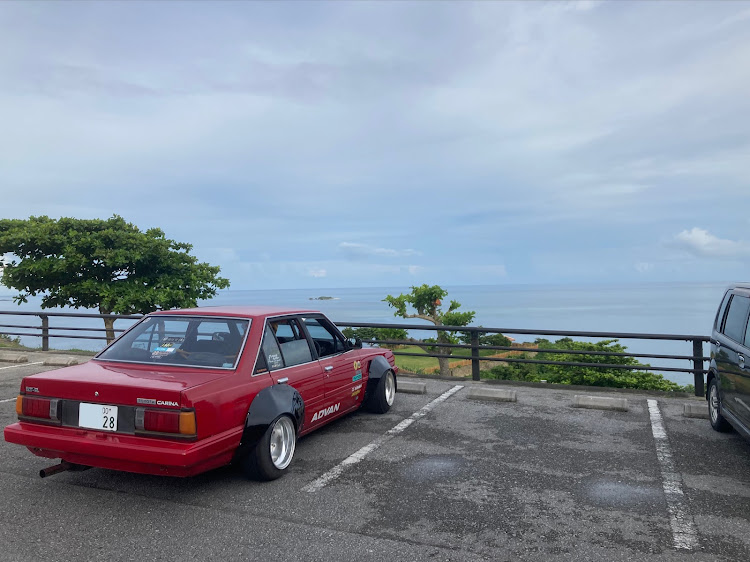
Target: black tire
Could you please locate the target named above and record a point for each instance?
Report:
(718, 422)
(385, 394)
(273, 453)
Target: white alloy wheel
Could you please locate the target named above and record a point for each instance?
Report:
(390, 388)
(282, 443)
(713, 403)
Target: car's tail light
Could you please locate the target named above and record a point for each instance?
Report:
(42, 408)
(187, 423)
(165, 421)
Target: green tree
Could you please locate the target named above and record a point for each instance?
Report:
(486, 339)
(426, 301)
(106, 264)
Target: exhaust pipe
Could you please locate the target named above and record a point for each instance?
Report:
(62, 467)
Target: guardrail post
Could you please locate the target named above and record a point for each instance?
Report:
(475, 355)
(45, 332)
(698, 367)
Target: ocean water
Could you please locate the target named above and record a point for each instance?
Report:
(668, 308)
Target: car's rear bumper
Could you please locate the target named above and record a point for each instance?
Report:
(130, 453)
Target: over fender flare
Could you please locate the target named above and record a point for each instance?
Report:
(269, 404)
(378, 367)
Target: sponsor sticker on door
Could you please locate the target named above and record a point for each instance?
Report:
(326, 411)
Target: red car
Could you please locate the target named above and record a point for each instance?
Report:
(186, 391)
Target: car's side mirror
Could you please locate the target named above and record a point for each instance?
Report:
(354, 343)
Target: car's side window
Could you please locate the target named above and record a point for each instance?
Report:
(722, 310)
(327, 339)
(293, 343)
(735, 326)
(271, 351)
(260, 364)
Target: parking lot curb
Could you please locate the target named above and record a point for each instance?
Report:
(411, 387)
(600, 403)
(695, 411)
(13, 358)
(60, 362)
(492, 394)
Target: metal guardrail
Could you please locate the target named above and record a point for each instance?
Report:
(44, 330)
(697, 359)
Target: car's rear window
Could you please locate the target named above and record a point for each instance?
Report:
(193, 341)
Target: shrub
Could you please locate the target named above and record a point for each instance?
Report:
(587, 376)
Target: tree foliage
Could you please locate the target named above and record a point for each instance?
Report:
(426, 301)
(486, 339)
(588, 376)
(106, 264)
(377, 334)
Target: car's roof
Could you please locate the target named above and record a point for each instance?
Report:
(739, 286)
(238, 311)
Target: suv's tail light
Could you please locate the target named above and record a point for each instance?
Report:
(165, 421)
(41, 408)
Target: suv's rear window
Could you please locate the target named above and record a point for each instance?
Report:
(194, 341)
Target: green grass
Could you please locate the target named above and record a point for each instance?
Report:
(14, 344)
(419, 364)
(414, 364)
(10, 342)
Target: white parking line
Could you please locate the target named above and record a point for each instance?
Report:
(684, 532)
(353, 459)
(21, 365)
(8, 400)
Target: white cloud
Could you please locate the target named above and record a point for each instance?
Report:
(516, 128)
(362, 251)
(316, 272)
(580, 5)
(702, 243)
(643, 267)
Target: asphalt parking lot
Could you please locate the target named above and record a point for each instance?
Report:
(464, 480)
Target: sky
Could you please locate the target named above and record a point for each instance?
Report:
(356, 144)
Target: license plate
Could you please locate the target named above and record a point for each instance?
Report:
(97, 416)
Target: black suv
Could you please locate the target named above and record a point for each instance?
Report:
(728, 391)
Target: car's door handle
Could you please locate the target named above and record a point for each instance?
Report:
(282, 380)
(328, 367)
